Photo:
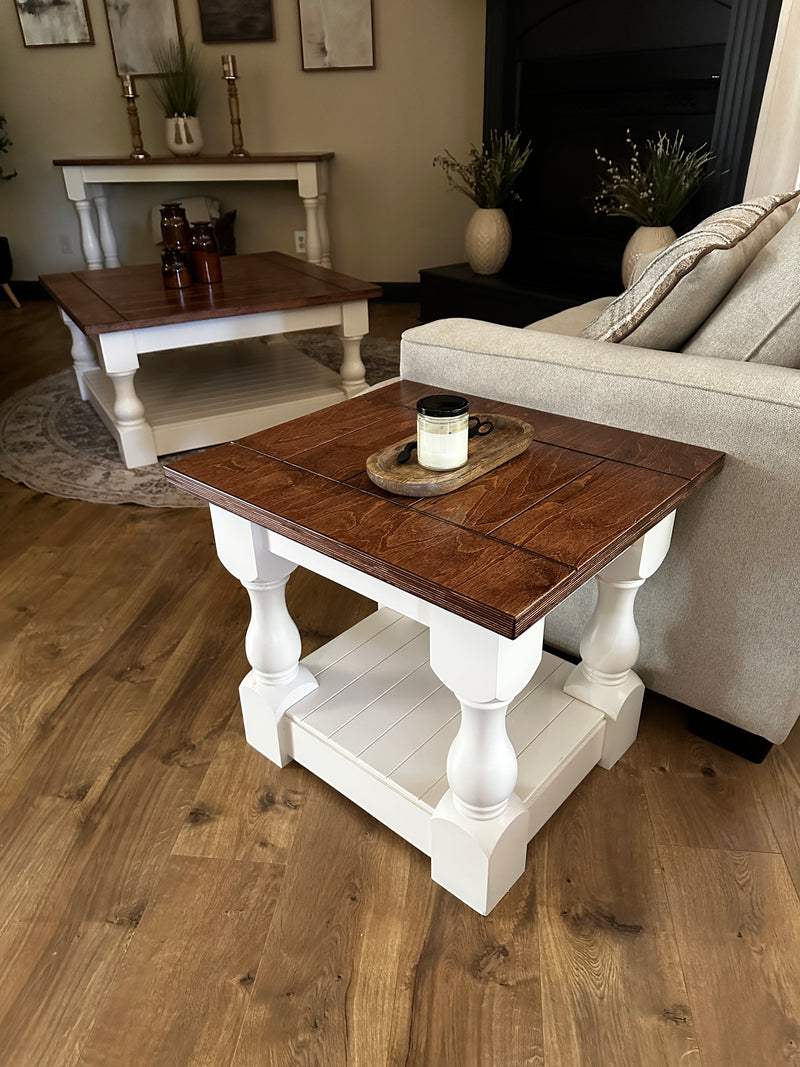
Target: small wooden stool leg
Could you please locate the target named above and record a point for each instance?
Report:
(10, 295)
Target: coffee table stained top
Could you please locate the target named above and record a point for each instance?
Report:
(128, 298)
(501, 551)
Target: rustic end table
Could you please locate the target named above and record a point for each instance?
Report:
(167, 385)
(439, 713)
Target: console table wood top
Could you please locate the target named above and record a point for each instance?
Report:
(501, 551)
(127, 298)
(194, 161)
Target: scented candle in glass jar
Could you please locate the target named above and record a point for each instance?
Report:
(442, 432)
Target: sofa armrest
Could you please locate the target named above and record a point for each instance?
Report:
(719, 620)
(558, 372)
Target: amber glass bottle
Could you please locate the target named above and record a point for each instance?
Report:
(206, 263)
(175, 232)
(175, 270)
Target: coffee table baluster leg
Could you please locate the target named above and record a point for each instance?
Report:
(352, 370)
(355, 324)
(84, 356)
(479, 830)
(610, 642)
(135, 434)
(272, 644)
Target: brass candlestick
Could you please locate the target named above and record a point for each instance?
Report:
(129, 95)
(230, 75)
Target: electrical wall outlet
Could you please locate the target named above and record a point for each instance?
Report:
(300, 242)
(65, 244)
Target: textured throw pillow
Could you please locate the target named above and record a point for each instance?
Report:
(759, 319)
(678, 291)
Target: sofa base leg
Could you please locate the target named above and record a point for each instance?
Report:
(741, 742)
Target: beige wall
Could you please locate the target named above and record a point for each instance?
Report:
(390, 211)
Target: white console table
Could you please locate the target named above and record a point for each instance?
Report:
(85, 178)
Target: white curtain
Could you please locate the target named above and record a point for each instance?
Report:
(775, 159)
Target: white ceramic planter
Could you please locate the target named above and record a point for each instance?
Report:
(184, 136)
(487, 241)
(645, 240)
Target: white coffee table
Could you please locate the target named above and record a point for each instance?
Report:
(150, 361)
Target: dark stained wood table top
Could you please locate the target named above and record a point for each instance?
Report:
(501, 551)
(128, 298)
(175, 161)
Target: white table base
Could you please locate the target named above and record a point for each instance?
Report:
(171, 388)
(85, 183)
(470, 778)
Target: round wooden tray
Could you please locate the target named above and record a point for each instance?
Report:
(509, 438)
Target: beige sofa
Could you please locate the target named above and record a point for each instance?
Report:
(719, 621)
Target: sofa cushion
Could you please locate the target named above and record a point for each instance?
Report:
(759, 319)
(685, 282)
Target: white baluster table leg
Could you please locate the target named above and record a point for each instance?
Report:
(107, 240)
(479, 830)
(324, 235)
(309, 186)
(610, 643)
(90, 242)
(134, 433)
(272, 645)
(355, 324)
(313, 237)
(84, 356)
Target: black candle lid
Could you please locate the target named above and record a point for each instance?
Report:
(442, 406)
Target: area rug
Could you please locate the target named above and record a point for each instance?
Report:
(53, 442)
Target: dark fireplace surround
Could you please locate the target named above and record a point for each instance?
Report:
(575, 75)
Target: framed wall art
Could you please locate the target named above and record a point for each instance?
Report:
(139, 28)
(49, 22)
(236, 20)
(336, 34)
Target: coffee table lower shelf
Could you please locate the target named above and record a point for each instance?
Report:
(379, 727)
(207, 394)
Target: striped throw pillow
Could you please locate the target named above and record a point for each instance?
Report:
(685, 282)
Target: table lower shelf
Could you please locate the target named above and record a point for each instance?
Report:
(379, 727)
(201, 396)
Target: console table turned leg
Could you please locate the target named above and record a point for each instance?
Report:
(107, 240)
(324, 236)
(84, 357)
(90, 243)
(479, 830)
(272, 644)
(610, 643)
(313, 237)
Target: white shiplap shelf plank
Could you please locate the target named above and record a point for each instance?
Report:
(380, 725)
(208, 394)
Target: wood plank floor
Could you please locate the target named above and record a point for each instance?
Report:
(167, 896)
